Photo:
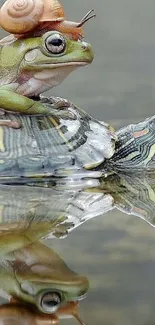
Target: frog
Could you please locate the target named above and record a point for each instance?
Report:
(30, 66)
(31, 272)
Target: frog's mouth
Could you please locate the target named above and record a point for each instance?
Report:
(82, 296)
(65, 64)
(72, 63)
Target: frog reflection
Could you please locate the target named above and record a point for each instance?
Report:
(35, 274)
(30, 272)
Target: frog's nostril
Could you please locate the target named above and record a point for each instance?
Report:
(84, 46)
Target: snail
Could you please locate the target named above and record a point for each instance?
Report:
(25, 17)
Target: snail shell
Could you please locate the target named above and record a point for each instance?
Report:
(53, 11)
(21, 16)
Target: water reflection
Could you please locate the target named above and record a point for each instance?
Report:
(133, 195)
(31, 213)
(33, 277)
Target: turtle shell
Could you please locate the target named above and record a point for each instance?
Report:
(68, 141)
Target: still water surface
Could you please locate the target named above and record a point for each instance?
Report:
(115, 251)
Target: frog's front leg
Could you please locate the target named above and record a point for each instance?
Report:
(11, 101)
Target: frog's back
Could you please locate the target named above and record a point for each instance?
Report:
(7, 68)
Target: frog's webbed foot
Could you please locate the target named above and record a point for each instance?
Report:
(58, 107)
(56, 102)
(11, 124)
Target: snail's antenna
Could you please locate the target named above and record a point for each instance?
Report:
(87, 17)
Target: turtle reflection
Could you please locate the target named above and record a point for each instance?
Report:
(134, 195)
(35, 213)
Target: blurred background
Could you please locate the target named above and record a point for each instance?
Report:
(115, 251)
(120, 83)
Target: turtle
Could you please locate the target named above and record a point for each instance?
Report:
(69, 142)
(72, 144)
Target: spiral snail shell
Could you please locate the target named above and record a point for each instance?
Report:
(24, 17)
(21, 16)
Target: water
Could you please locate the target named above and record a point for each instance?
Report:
(115, 250)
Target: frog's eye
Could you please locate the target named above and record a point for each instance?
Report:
(55, 44)
(49, 302)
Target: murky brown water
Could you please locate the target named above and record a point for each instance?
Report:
(115, 251)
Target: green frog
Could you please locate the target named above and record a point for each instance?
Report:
(31, 66)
